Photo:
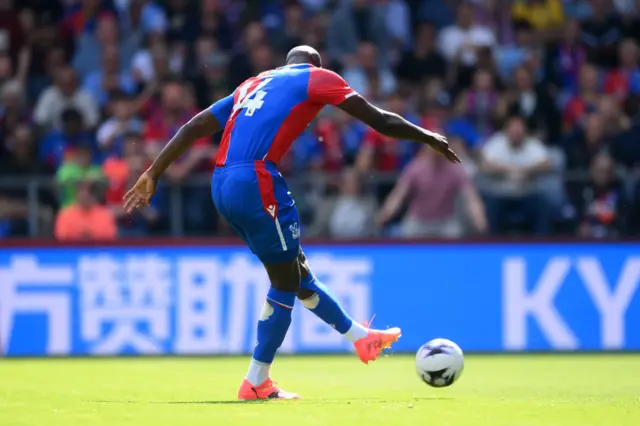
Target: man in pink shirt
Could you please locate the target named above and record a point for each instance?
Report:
(430, 187)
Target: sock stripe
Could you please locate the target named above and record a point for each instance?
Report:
(282, 305)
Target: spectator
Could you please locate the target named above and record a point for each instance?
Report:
(104, 81)
(546, 16)
(62, 95)
(121, 174)
(181, 20)
(460, 43)
(75, 169)
(564, 60)
(601, 203)
(341, 138)
(175, 110)
(89, 55)
(305, 155)
(122, 121)
(398, 24)
(577, 9)
(40, 20)
(509, 57)
(601, 33)
(512, 160)
(625, 148)
(350, 214)
(583, 145)
(58, 145)
(436, 12)
(152, 61)
(441, 117)
(535, 104)
(14, 110)
(423, 61)
(85, 219)
(356, 22)
(631, 24)
(585, 101)
(213, 23)
(253, 36)
(151, 15)
(430, 186)
(261, 59)
(292, 31)
(479, 103)
(625, 78)
(44, 70)
(13, 37)
(20, 164)
(366, 75)
(6, 68)
(385, 154)
(613, 116)
(210, 72)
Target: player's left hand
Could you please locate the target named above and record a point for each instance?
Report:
(440, 144)
(141, 193)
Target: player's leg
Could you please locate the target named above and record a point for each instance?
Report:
(274, 322)
(316, 297)
(267, 215)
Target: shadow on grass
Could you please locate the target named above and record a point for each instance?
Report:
(323, 401)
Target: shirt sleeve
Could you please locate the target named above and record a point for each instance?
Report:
(328, 88)
(221, 110)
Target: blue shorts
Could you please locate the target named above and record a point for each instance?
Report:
(253, 197)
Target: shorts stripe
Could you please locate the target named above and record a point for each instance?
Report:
(267, 194)
(282, 240)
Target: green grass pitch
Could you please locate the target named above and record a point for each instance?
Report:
(566, 390)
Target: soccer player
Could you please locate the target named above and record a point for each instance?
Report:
(261, 119)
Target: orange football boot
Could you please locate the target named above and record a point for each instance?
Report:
(267, 390)
(368, 348)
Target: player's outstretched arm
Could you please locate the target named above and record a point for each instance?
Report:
(202, 125)
(394, 126)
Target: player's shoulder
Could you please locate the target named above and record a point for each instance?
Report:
(324, 72)
(325, 77)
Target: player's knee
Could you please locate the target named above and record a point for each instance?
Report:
(285, 276)
(305, 295)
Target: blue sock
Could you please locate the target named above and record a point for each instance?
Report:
(273, 325)
(325, 305)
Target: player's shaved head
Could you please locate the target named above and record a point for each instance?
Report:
(304, 55)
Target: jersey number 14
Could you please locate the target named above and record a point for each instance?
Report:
(252, 100)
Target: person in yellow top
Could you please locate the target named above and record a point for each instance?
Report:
(544, 16)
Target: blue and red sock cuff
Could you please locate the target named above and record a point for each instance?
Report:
(286, 299)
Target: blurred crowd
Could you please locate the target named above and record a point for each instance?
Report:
(540, 98)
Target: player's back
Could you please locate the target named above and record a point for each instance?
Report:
(272, 109)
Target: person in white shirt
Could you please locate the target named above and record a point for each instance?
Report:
(64, 94)
(460, 42)
(512, 161)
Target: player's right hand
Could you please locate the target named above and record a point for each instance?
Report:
(440, 144)
(141, 193)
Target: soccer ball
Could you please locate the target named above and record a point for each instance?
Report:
(439, 362)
